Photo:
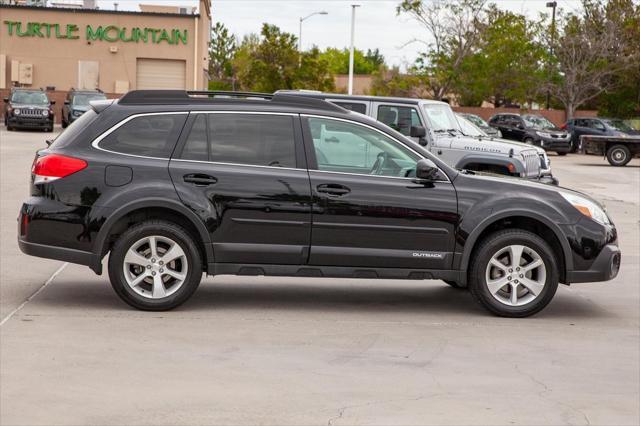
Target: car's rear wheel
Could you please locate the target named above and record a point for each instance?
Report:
(528, 141)
(562, 154)
(618, 155)
(155, 266)
(513, 273)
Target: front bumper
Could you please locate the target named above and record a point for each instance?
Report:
(30, 122)
(604, 268)
(556, 144)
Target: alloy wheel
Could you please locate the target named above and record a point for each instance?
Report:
(155, 267)
(516, 275)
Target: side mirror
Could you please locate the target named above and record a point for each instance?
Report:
(426, 170)
(52, 102)
(418, 132)
(66, 102)
(6, 100)
(520, 126)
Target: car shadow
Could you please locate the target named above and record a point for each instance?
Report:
(629, 165)
(434, 298)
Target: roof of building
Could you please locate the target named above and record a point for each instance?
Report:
(102, 11)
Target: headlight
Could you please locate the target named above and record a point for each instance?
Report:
(77, 113)
(587, 207)
(543, 134)
(16, 111)
(45, 112)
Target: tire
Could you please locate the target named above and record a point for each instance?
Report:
(454, 284)
(528, 141)
(164, 290)
(543, 278)
(561, 154)
(64, 124)
(618, 155)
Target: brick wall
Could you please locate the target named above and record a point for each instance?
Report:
(556, 116)
(55, 95)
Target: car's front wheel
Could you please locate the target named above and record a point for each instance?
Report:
(514, 273)
(155, 266)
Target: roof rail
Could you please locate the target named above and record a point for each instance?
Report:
(183, 97)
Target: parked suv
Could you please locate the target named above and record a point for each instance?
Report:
(172, 184)
(77, 103)
(28, 108)
(433, 124)
(534, 130)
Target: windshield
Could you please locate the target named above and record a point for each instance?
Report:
(477, 120)
(441, 117)
(537, 121)
(619, 125)
(85, 98)
(468, 128)
(32, 98)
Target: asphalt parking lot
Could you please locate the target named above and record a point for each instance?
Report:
(315, 352)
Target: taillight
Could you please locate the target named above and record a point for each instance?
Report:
(54, 166)
(564, 126)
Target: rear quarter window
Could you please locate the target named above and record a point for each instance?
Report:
(70, 133)
(152, 135)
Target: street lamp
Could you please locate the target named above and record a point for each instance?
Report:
(353, 23)
(553, 5)
(322, 12)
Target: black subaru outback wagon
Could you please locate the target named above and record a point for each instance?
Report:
(173, 184)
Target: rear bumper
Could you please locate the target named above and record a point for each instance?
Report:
(60, 253)
(604, 268)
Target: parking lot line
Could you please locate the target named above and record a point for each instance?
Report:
(28, 299)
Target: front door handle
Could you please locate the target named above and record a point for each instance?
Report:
(200, 179)
(333, 189)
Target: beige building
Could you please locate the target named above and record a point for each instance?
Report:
(57, 48)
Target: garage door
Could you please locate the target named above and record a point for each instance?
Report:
(160, 74)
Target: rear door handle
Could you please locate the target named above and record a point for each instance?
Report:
(200, 179)
(334, 189)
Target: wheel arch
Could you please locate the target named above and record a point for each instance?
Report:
(521, 220)
(146, 209)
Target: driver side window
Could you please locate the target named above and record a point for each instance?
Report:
(352, 148)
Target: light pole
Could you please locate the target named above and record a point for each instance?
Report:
(553, 5)
(322, 12)
(353, 23)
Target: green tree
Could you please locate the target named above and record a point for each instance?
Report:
(453, 26)
(363, 63)
(222, 48)
(507, 65)
(271, 61)
(594, 51)
(391, 82)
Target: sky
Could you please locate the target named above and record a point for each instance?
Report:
(377, 25)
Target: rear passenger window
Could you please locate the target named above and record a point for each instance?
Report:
(399, 118)
(147, 135)
(252, 139)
